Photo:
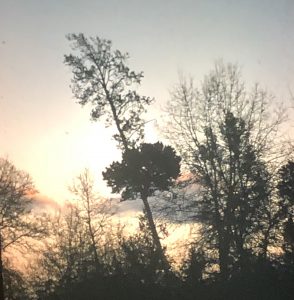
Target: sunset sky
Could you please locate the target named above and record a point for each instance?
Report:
(43, 130)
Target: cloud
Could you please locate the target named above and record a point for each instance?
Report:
(43, 202)
(129, 207)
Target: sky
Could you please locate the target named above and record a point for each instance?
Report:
(46, 133)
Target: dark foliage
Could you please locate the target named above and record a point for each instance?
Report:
(134, 273)
(139, 256)
(286, 188)
(261, 281)
(144, 169)
(235, 192)
(286, 192)
(223, 138)
(15, 285)
(102, 78)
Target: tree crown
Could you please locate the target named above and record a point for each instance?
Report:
(102, 78)
(149, 166)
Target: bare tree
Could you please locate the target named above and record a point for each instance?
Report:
(16, 226)
(94, 210)
(228, 140)
(66, 254)
(79, 246)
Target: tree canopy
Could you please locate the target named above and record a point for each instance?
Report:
(227, 140)
(144, 169)
(102, 78)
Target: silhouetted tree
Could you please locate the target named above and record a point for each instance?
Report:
(16, 285)
(194, 266)
(140, 257)
(286, 188)
(135, 273)
(286, 204)
(226, 139)
(235, 183)
(95, 211)
(102, 78)
(142, 170)
(66, 256)
(16, 225)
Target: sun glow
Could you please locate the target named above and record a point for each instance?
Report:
(84, 145)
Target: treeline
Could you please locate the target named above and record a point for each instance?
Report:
(239, 192)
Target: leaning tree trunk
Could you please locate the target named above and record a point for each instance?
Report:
(144, 194)
(156, 239)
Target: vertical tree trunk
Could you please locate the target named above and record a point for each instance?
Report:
(91, 232)
(1, 271)
(223, 250)
(94, 248)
